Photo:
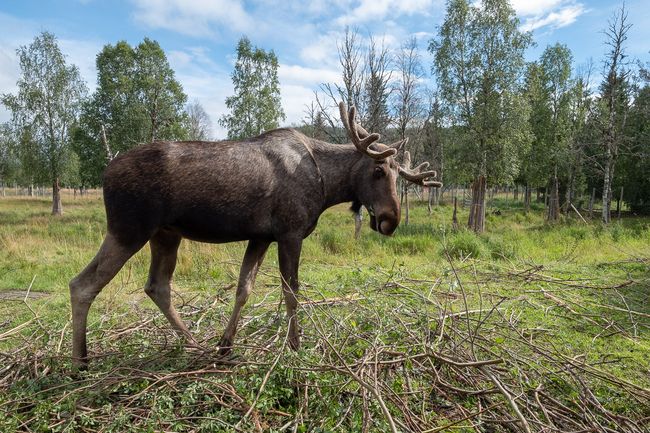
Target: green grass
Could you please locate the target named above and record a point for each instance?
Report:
(530, 269)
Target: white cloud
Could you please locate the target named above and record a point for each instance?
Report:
(295, 74)
(547, 13)
(534, 7)
(294, 101)
(561, 18)
(204, 81)
(322, 51)
(195, 18)
(82, 54)
(369, 10)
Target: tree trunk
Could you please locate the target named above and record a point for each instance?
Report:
(591, 203)
(528, 192)
(476, 219)
(430, 200)
(406, 205)
(57, 208)
(515, 193)
(554, 201)
(607, 190)
(569, 193)
(454, 220)
(618, 204)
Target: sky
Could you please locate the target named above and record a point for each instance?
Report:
(200, 36)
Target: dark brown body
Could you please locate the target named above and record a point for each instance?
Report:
(266, 188)
(271, 188)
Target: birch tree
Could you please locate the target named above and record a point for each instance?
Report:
(479, 63)
(255, 107)
(198, 122)
(47, 105)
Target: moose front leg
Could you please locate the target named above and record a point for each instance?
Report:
(289, 257)
(252, 260)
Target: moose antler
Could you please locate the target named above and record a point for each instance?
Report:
(416, 175)
(360, 137)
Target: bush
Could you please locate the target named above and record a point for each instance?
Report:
(463, 244)
(502, 248)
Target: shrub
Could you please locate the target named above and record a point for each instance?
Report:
(463, 244)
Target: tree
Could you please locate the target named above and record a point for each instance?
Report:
(549, 91)
(158, 92)
(376, 88)
(365, 81)
(614, 103)
(433, 142)
(137, 100)
(479, 60)
(47, 106)
(198, 124)
(581, 102)
(634, 165)
(9, 164)
(408, 102)
(255, 107)
(537, 159)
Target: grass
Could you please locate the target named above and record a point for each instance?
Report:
(579, 291)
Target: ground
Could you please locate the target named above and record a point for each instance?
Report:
(528, 327)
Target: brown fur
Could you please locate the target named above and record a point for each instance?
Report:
(271, 188)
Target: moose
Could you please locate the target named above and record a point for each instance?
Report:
(271, 188)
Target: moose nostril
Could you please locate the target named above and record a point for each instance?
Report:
(386, 227)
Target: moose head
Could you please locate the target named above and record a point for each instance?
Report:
(376, 176)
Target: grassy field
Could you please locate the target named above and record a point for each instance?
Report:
(527, 327)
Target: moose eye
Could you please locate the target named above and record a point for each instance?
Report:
(379, 172)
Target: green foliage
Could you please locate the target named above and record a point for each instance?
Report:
(10, 166)
(255, 107)
(635, 162)
(45, 109)
(464, 244)
(138, 100)
(479, 59)
(549, 92)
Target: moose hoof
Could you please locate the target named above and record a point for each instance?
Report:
(225, 347)
(294, 343)
(79, 364)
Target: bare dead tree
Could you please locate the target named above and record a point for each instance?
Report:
(432, 143)
(199, 125)
(351, 58)
(615, 101)
(581, 105)
(408, 91)
(315, 123)
(350, 91)
(377, 86)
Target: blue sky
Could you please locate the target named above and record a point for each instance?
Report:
(200, 36)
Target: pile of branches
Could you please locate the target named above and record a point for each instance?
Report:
(455, 353)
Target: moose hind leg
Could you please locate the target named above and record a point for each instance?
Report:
(289, 258)
(253, 258)
(86, 286)
(164, 248)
